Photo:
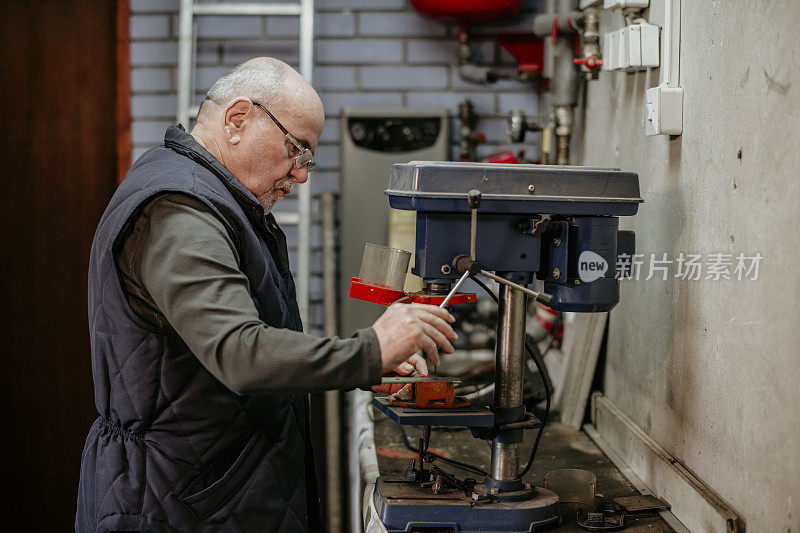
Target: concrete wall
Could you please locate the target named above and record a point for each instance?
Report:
(710, 369)
(367, 53)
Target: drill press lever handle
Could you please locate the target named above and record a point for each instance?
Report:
(542, 297)
(454, 290)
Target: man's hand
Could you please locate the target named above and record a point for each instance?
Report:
(404, 329)
(415, 362)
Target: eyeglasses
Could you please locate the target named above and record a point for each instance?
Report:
(304, 158)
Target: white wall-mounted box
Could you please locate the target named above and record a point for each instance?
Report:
(650, 45)
(664, 111)
(634, 47)
(610, 50)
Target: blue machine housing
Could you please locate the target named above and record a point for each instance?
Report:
(557, 224)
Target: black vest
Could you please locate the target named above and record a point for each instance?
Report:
(173, 449)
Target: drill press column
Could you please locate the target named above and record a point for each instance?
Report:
(510, 358)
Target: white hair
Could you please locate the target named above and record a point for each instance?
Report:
(262, 79)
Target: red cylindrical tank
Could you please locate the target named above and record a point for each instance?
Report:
(466, 12)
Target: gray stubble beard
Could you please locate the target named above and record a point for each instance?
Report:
(268, 201)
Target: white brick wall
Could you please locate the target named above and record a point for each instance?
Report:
(367, 53)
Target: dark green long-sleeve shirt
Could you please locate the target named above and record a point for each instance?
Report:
(180, 271)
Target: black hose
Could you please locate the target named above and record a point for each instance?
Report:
(547, 393)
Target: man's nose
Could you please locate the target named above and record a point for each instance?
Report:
(299, 175)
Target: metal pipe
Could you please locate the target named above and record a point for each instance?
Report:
(563, 115)
(333, 415)
(185, 53)
(469, 138)
(363, 459)
(304, 194)
(540, 25)
(568, 22)
(468, 70)
(560, 67)
(509, 365)
(476, 73)
(328, 201)
(591, 42)
(671, 44)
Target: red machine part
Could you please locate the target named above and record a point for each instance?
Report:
(467, 12)
(528, 50)
(431, 395)
(387, 296)
(549, 321)
(373, 293)
(437, 299)
(506, 157)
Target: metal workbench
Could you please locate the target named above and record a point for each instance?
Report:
(561, 447)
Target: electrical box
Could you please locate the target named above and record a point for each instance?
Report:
(664, 111)
(634, 47)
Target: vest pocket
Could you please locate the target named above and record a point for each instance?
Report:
(211, 498)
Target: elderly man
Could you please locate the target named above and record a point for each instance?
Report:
(200, 364)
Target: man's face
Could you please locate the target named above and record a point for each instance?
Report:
(261, 157)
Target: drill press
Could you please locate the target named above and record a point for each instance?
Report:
(514, 224)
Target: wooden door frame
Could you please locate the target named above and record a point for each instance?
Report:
(123, 96)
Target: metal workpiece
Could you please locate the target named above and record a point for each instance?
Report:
(420, 379)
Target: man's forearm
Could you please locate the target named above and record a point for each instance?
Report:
(181, 253)
(293, 361)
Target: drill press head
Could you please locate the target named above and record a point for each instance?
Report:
(556, 224)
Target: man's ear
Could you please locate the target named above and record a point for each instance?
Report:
(236, 119)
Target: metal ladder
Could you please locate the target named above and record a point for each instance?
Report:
(187, 43)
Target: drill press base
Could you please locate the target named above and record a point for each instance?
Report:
(405, 506)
